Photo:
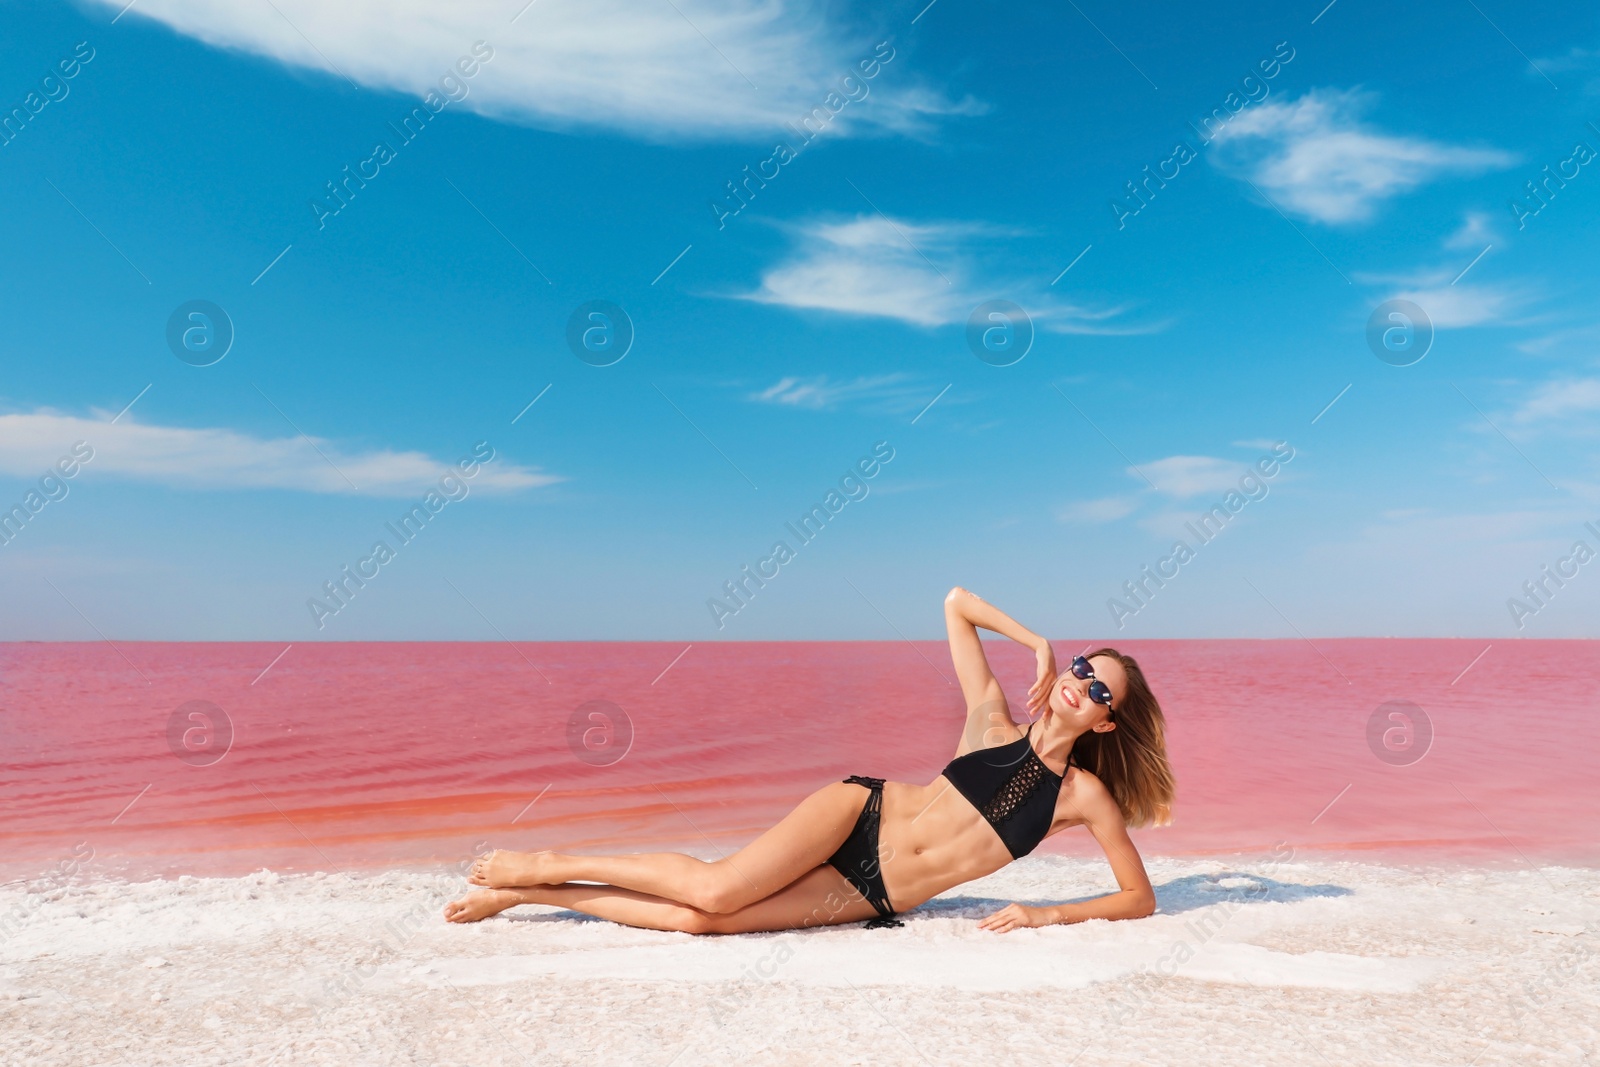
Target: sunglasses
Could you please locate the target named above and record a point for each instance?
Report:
(1099, 692)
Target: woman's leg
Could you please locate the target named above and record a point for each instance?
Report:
(801, 842)
(820, 897)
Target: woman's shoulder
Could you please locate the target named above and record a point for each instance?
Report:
(988, 728)
(1089, 794)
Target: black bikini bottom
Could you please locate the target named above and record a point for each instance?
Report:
(857, 858)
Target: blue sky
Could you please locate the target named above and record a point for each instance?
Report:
(1355, 155)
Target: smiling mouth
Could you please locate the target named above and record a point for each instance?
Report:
(1068, 695)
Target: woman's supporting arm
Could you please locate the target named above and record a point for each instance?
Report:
(1127, 904)
(1134, 899)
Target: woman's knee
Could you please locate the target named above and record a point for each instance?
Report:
(692, 921)
(722, 889)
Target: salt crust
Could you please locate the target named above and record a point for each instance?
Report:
(1285, 963)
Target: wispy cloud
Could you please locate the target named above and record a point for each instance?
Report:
(1105, 509)
(1569, 401)
(1580, 339)
(696, 68)
(1189, 476)
(1316, 158)
(892, 391)
(923, 273)
(1462, 305)
(226, 459)
(1450, 303)
(1584, 62)
(1474, 234)
(1175, 479)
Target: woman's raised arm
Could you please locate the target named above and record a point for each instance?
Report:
(964, 612)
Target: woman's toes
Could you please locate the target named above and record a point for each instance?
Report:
(479, 874)
(479, 904)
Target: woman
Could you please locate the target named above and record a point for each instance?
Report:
(865, 849)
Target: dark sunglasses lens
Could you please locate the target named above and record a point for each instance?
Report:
(1080, 667)
(1100, 693)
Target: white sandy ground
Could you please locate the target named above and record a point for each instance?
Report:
(1322, 963)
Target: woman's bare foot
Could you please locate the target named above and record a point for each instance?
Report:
(480, 904)
(501, 869)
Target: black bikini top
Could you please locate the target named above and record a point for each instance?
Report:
(1012, 789)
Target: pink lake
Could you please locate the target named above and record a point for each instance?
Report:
(359, 756)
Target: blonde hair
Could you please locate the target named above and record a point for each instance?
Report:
(1132, 759)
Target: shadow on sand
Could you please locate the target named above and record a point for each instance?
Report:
(1172, 898)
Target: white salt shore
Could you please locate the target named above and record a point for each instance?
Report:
(1319, 962)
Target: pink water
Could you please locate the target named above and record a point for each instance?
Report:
(353, 756)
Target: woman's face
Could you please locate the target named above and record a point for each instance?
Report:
(1069, 699)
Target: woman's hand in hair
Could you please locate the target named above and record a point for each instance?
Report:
(1039, 692)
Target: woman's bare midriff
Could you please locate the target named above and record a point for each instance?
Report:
(931, 838)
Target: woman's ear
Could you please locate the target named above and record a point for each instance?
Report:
(1104, 727)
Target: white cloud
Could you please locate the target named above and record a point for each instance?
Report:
(1583, 62)
(1178, 478)
(1316, 159)
(702, 68)
(1461, 305)
(865, 267)
(921, 273)
(217, 458)
(1575, 59)
(1475, 232)
(1450, 305)
(1105, 509)
(1582, 339)
(821, 392)
(1557, 401)
(1186, 476)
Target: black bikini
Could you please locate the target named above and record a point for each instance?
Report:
(1002, 783)
(857, 858)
